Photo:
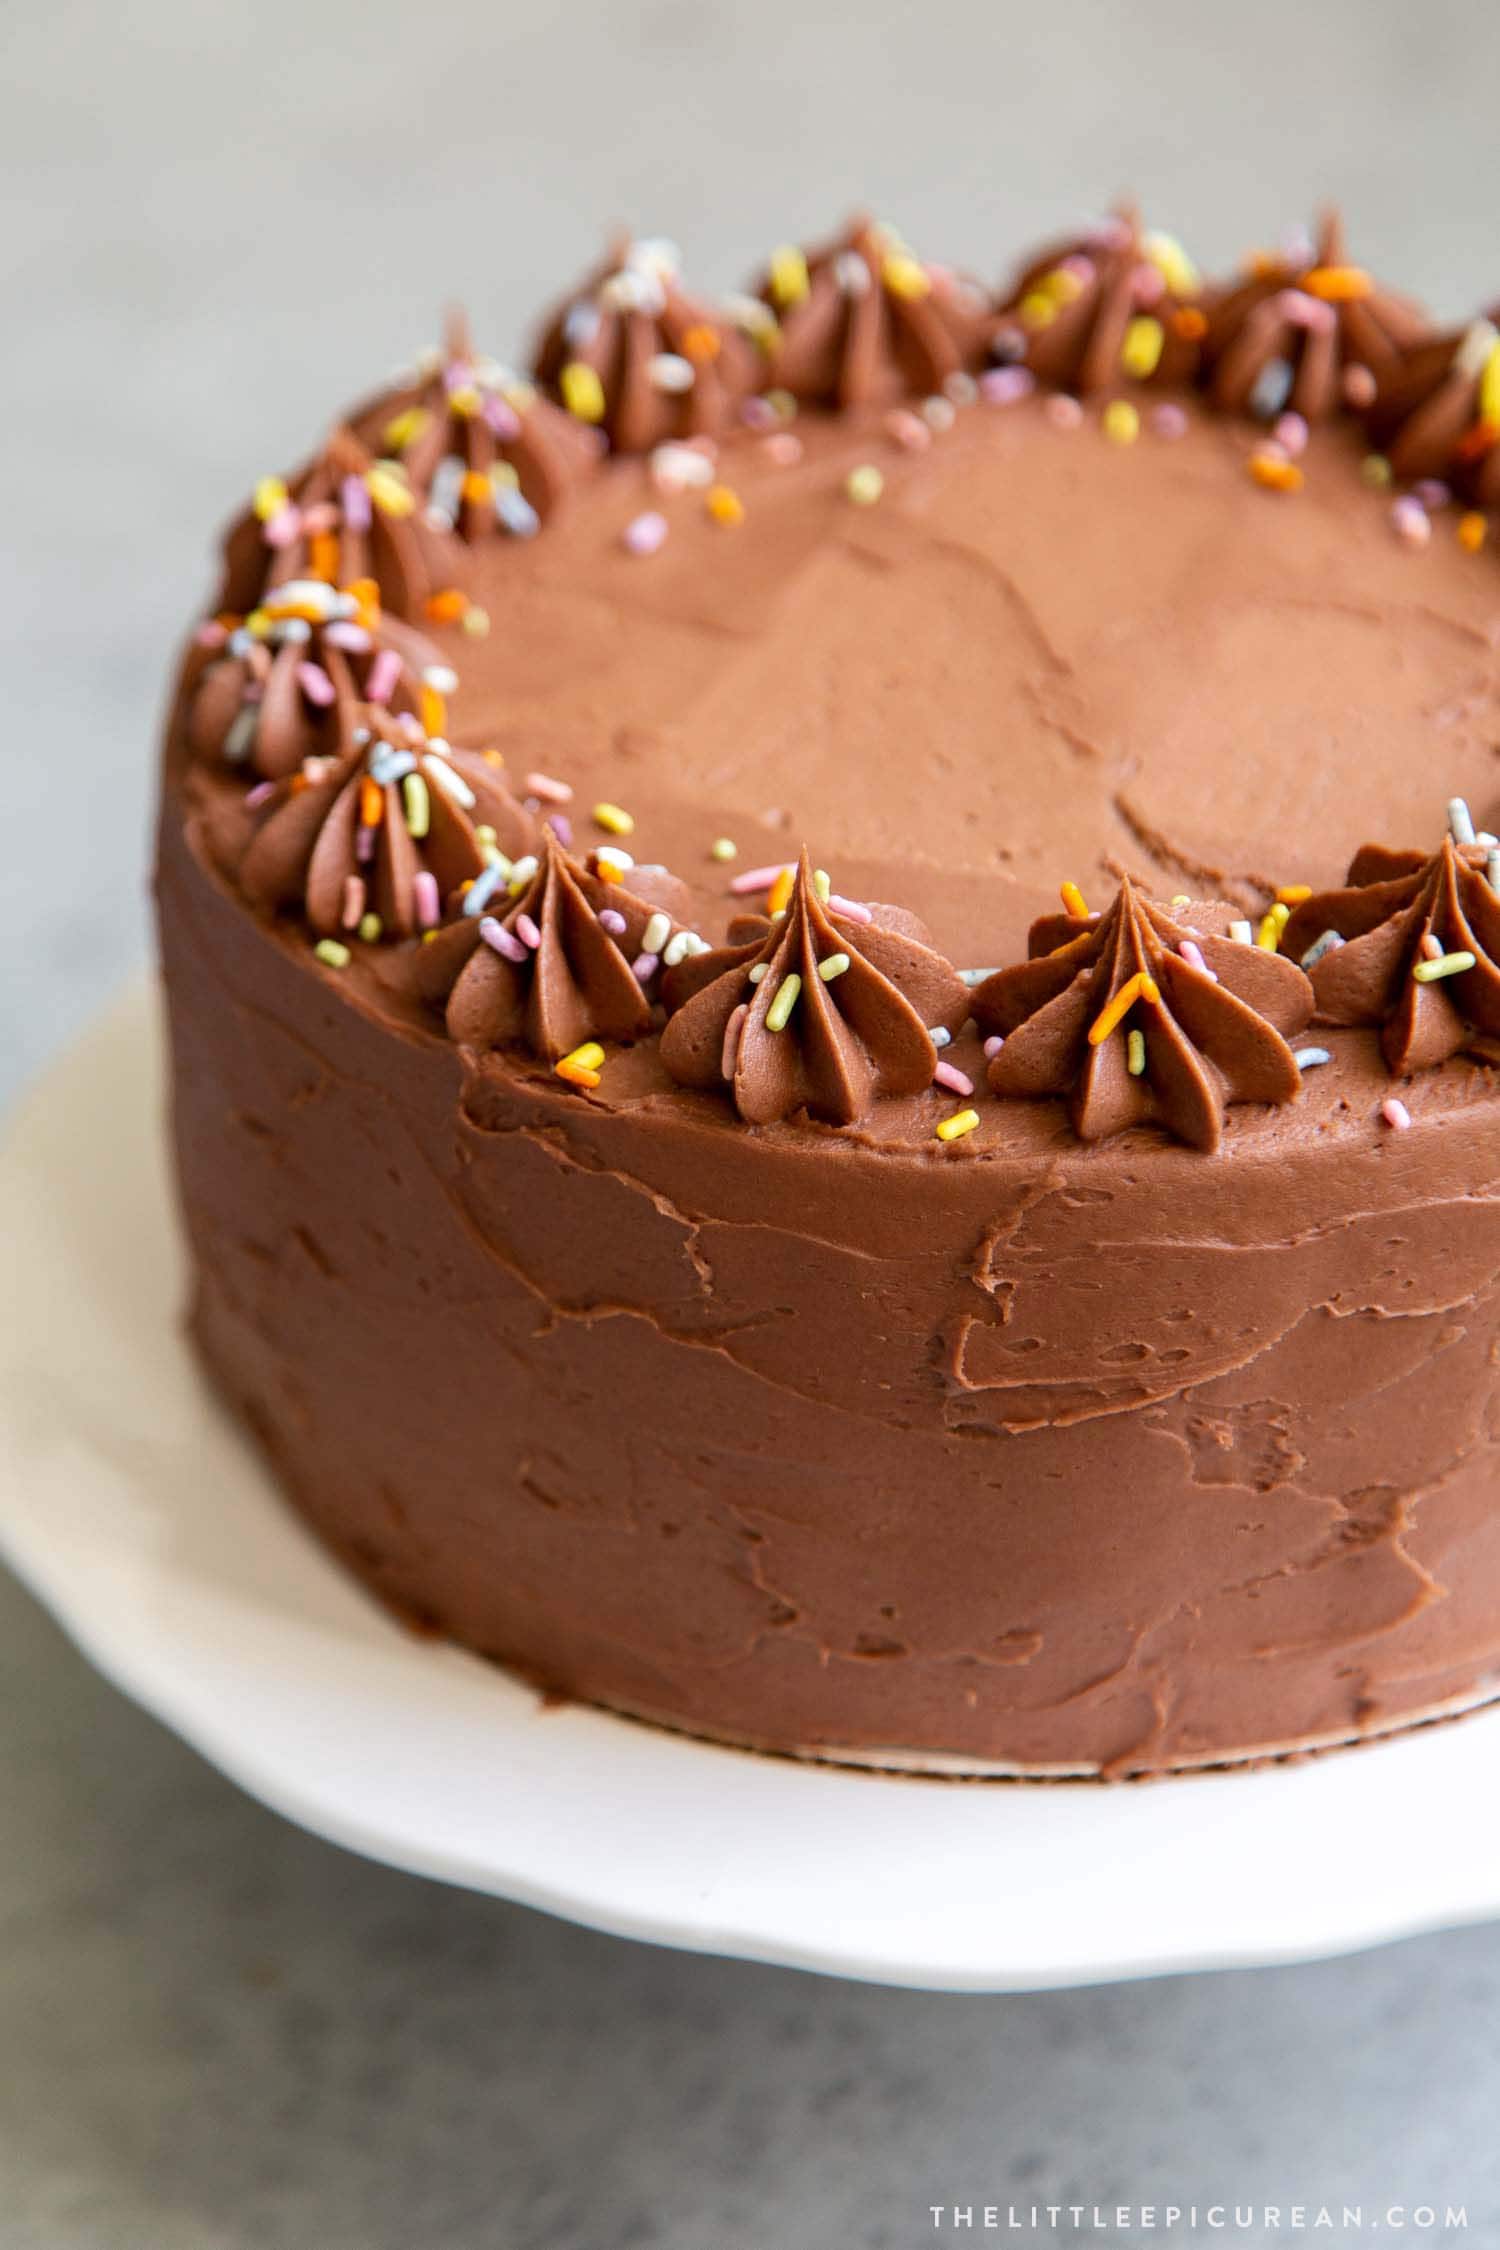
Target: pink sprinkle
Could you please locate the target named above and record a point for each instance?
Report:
(1290, 434)
(1360, 387)
(1002, 386)
(644, 533)
(1168, 420)
(644, 967)
(427, 899)
(849, 908)
(784, 449)
(345, 634)
(527, 931)
(380, 684)
(562, 828)
(315, 684)
(731, 1050)
(354, 902)
(612, 921)
(908, 429)
(554, 792)
(1193, 956)
(1148, 285)
(364, 844)
(356, 503)
(993, 1045)
(211, 634)
(1081, 268)
(501, 417)
(947, 1075)
(757, 413)
(495, 934)
(1433, 494)
(1299, 310)
(1432, 947)
(1410, 521)
(282, 528)
(1064, 413)
(321, 516)
(259, 794)
(755, 879)
(1396, 1115)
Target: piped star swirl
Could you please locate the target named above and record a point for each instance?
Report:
(377, 840)
(1113, 307)
(1135, 1018)
(351, 522)
(1411, 945)
(863, 321)
(1437, 413)
(823, 1013)
(552, 957)
(636, 355)
(1307, 331)
(477, 444)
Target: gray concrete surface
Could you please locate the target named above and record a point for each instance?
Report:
(214, 2031)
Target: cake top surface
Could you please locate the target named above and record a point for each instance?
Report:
(962, 646)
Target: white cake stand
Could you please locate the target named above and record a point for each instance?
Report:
(133, 1510)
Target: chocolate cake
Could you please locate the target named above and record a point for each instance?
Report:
(834, 980)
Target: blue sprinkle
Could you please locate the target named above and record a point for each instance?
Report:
(483, 888)
(388, 764)
(1308, 1058)
(1329, 942)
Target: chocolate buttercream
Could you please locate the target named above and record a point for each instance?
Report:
(1108, 308)
(1437, 412)
(863, 321)
(273, 695)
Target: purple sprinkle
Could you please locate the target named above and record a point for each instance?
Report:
(356, 503)
(259, 794)
(611, 921)
(644, 967)
(1002, 386)
(955, 1081)
(315, 684)
(644, 533)
(1410, 521)
(1433, 493)
(993, 1045)
(364, 843)
(562, 828)
(384, 674)
(495, 934)
(527, 931)
(427, 899)
(1168, 420)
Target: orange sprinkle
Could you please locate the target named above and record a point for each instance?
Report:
(365, 595)
(1274, 474)
(1189, 323)
(701, 343)
(1292, 894)
(493, 757)
(1471, 531)
(1072, 898)
(576, 1073)
(323, 556)
(1337, 285)
(371, 803)
(447, 607)
(608, 871)
(724, 505)
(434, 712)
(1477, 441)
(297, 784)
(780, 891)
(476, 487)
(1140, 987)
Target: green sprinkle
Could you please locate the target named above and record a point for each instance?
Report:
(418, 804)
(864, 485)
(1446, 965)
(834, 966)
(331, 953)
(821, 883)
(1135, 1053)
(779, 1013)
(723, 848)
(757, 970)
(1376, 470)
(485, 835)
(370, 927)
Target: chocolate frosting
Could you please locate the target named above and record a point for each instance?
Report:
(347, 521)
(478, 443)
(850, 1036)
(1437, 412)
(863, 321)
(314, 845)
(286, 691)
(665, 363)
(1212, 1013)
(1105, 308)
(1396, 910)
(1307, 331)
(546, 970)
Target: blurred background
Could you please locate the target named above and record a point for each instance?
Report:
(219, 225)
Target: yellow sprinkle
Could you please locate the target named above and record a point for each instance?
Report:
(402, 428)
(331, 953)
(418, 805)
(501, 473)
(833, 966)
(582, 391)
(1273, 473)
(1036, 310)
(821, 883)
(1135, 1053)
(788, 275)
(864, 485)
(1375, 470)
(1138, 987)
(258, 624)
(778, 1015)
(476, 622)
(954, 1128)
(723, 848)
(1337, 285)
(590, 1056)
(434, 711)
(1268, 936)
(1488, 404)
(390, 492)
(465, 401)
(1141, 350)
(780, 891)
(1073, 900)
(1172, 263)
(1292, 894)
(270, 498)
(370, 927)
(1060, 287)
(724, 504)
(1122, 424)
(782, 403)
(905, 276)
(1181, 898)
(1471, 531)
(614, 820)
